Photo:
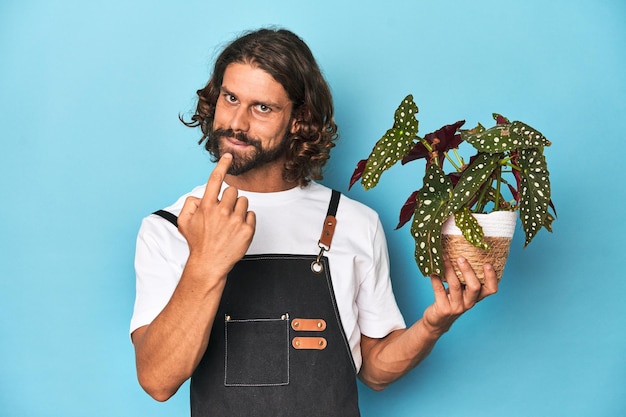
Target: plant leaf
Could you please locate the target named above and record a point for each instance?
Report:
(534, 191)
(496, 139)
(465, 190)
(358, 172)
(547, 222)
(472, 231)
(447, 138)
(526, 137)
(500, 119)
(474, 131)
(394, 144)
(408, 209)
(430, 214)
(505, 137)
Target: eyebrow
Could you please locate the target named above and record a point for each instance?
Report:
(271, 104)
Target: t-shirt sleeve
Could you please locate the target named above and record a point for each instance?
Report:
(157, 271)
(379, 314)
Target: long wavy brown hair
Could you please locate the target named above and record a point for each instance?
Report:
(286, 57)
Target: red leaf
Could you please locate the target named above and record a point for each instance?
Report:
(417, 152)
(358, 172)
(408, 209)
(447, 138)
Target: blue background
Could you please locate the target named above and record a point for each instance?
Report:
(89, 98)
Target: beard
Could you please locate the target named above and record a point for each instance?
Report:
(244, 162)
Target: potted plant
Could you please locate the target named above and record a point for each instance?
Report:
(509, 161)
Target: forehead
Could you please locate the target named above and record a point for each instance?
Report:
(249, 82)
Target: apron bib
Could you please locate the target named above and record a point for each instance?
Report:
(277, 346)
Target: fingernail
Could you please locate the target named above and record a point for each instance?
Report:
(461, 260)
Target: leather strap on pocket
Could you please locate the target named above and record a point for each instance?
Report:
(315, 343)
(308, 325)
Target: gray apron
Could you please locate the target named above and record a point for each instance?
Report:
(277, 346)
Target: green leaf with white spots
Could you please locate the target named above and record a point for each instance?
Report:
(534, 192)
(503, 138)
(472, 231)
(394, 144)
(476, 130)
(472, 179)
(527, 136)
(430, 214)
(492, 140)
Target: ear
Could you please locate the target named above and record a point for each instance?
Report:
(295, 125)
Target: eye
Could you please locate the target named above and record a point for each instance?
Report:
(262, 108)
(230, 98)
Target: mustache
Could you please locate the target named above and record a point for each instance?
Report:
(240, 136)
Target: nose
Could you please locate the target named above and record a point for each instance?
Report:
(239, 121)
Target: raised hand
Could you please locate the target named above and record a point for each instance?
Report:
(218, 232)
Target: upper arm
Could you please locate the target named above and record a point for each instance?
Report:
(159, 261)
(136, 335)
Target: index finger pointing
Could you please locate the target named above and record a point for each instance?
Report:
(214, 185)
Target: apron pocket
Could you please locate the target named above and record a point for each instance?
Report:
(257, 352)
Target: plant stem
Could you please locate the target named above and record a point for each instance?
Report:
(480, 202)
(449, 159)
(498, 183)
(506, 162)
(426, 144)
(459, 158)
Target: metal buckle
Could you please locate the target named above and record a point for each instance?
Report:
(316, 265)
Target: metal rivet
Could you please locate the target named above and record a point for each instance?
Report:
(297, 343)
(227, 318)
(319, 324)
(296, 324)
(321, 342)
(316, 267)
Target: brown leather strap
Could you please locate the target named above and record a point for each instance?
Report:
(315, 343)
(308, 325)
(330, 222)
(328, 231)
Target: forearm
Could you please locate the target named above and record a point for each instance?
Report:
(386, 360)
(218, 231)
(169, 349)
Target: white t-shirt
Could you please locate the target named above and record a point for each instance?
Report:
(287, 222)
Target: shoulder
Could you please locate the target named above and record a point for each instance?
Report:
(348, 207)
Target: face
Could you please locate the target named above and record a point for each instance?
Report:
(252, 118)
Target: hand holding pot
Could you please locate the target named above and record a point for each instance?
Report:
(457, 298)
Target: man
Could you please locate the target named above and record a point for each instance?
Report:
(268, 290)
